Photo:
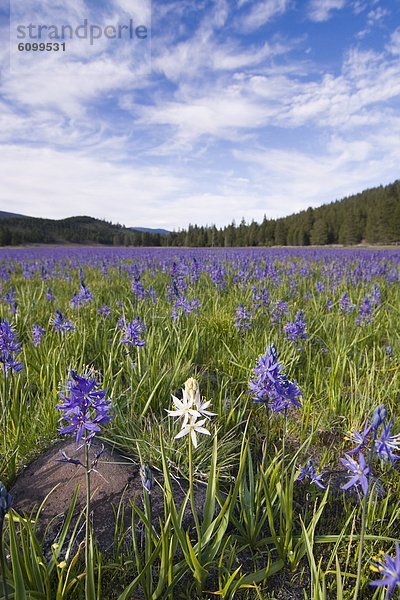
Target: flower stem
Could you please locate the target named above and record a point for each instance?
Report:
(4, 407)
(3, 562)
(363, 520)
(191, 488)
(361, 547)
(87, 524)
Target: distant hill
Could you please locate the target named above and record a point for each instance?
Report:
(9, 215)
(150, 230)
(17, 230)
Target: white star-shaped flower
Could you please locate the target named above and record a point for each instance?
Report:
(191, 428)
(184, 408)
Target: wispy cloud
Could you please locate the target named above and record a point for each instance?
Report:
(394, 45)
(321, 10)
(262, 12)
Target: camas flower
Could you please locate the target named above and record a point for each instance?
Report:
(182, 306)
(9, 347)
(379, 417)
(82, 297)
(386, 443)
(104, 311)
(270, 384)
(85, 407)
(37, 333)
(389, 568)
(191, 428)
(296, 330)
(146, 475)
(132, 332)
(50, 297)
(183, 408)
(190, 408)
(243, 318)
(61, 323)
(358, 470)
(309, 471)
(360, 439)
(345, 305)
(5, 501)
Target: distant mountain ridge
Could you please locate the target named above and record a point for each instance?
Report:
(9, 215)
(150, 230)
(18, 229)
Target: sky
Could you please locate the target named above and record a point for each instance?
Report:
(219, 110)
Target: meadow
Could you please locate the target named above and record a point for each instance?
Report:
(280, 369)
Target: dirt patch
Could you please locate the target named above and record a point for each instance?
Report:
(117, 481)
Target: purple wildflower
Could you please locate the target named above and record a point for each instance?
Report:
(296, 330)
(360, 439)
(243, 318)
(389, 350)
(146, 475)
(375, 295)
(280, 309)
(37, 333)
(9, 297)
(389, 568)
(138, 289)
(386, 443)
(182, 306)
(104, 311)
(82, 297)
(151, 292)
(364, 313)
(132, 333)
(5, 501)
(358, 471)
(67, 459)
(9, 348)
(379, 417)
(260, 297)
(50, 297)
(85, 408)
(61, 323)
(269, 383)
(345, 305)
(309, 471)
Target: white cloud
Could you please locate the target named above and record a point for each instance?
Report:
(261, 13)
(320, 10)
(66, 87)
(394, 45)
(293, 180)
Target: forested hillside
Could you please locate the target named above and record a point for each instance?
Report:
(75, 230)
(373, 216)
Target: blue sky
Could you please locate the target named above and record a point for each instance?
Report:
(228, 110)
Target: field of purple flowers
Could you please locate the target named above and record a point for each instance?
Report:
(268, 378)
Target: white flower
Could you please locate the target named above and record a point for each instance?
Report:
(192, 390)
(184, 408)
(192, 428)
(191, 407)
(201, 408)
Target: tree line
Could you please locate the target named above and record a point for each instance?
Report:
(372, 216)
